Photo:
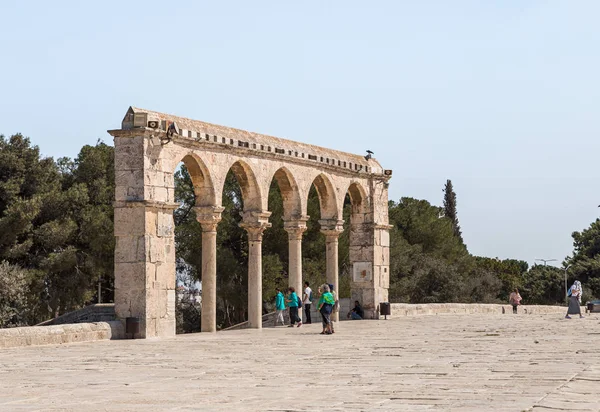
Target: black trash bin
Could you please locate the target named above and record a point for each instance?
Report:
(132, 327)
(384, 309)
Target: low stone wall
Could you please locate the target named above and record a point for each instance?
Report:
(408, 309)
(59, 334)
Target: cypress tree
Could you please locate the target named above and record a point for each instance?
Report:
(450, 208)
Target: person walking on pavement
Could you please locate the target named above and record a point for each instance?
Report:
(307, 301)
(279, 307)
(574, 294)
(515, 300)
(292, 301)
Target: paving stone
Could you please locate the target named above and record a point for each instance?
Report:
(426, 363)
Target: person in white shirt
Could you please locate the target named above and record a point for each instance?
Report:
(307, 301)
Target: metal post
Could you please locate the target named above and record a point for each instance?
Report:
(99, 291)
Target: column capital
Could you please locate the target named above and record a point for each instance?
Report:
(208, 217)
(295, 227)
(331, 228)
(255, 223)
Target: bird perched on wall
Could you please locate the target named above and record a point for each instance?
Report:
(171, 130)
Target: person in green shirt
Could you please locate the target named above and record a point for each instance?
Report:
(325, 307)
(292, 301)
(279, 307)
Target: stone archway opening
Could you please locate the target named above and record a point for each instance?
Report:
(254, 221)
(195, 223)
(285, 237)
(188, 251)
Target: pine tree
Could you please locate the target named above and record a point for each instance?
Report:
(450, 209)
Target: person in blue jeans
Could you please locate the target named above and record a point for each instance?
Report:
(357, 312)
(292, 301)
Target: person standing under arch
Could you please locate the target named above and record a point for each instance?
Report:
(307, 301)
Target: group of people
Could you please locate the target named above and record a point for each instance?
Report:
(327, 306)
(295, 305)
(575, 292)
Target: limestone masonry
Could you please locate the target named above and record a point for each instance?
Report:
(148, 148)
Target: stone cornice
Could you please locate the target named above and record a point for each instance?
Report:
(257, 152)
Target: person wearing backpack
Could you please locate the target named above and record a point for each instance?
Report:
(293, 300)
(307, 300)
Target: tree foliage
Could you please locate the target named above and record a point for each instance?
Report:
(56, 223)
(13, 295)
(450, 208)
(585, 262)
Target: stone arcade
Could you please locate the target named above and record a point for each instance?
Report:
(148, 148)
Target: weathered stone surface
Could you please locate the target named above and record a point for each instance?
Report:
(452, 362)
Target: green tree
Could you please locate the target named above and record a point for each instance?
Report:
(428, 262)
(13, 295)
(450, 208)
(585, 262)
(543, 285)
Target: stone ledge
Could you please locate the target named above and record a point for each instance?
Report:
(59, 334)
(408, 309)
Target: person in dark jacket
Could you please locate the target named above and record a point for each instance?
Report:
(357, 312)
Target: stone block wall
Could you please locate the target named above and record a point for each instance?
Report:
(60, 334)
(407, 309)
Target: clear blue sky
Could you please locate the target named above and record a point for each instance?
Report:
(502, 97)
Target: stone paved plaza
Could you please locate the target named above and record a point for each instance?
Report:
(422, 363)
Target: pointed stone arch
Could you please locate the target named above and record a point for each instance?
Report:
(246, 178)
(290, 194)
(327, 197)
(359, 201)
(201, 180)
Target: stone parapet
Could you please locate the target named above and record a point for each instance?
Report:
(59, 334)
(408, 309)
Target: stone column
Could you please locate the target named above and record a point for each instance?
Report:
(255, 224)
(295, 229)
(332, 230)
(209, 217)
